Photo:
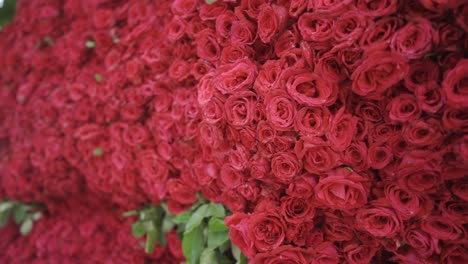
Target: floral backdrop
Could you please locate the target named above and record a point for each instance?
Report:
(329, 131)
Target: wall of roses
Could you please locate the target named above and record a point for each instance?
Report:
(298, 131)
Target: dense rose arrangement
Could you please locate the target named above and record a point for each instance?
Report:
(335, 131)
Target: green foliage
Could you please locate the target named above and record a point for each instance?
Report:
(204, 236)
(24, 215)
(7, 12)
(210, 1)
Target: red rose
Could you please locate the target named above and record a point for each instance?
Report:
(210, 134)
(316, 154)
(270, 21)
(266, 230)
(310, 89)
(380, 33)
(316, 28)
(405, 202)
(224, 23)
(421, 73)
(422, 242)
(297, 7)
(403, 108)
(342, 130)
(181, 192)
(239, 157)
(350, 27)
(296, 210)
(267, 77)
(359, 254)
(212, 11)
(356, 156)
(336, 227)
(238, 224)
(449, 37)
(333, 8)
(282, 255)
(325, 253)
(103, 18)
(240, 108)
(419, 172)
(280, 110)
(207, 45)
(423, 134)
(341, 189)
(234, 52)
(312, 121)
(378, 72)
(302, 187)
(135, 135)
(429, 97)
(243, 32)
(455, 85)
(184, 7)
(378, 220)
(329, 68)
(442, 228)
(174, 245)
(455, 119)
(285, 166)
(379, 156)
(179, 70)
(234, 77)
(377, 8)
(414, 40)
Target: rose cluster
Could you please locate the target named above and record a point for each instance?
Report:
(335, 131)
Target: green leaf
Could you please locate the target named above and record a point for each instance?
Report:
(20, 213)
(98, 152)
(182, 217)
(216, 210)
(225, 246)
(210, 2)
(130, 213)
(223, 259)
(196, 218)
(243, 259)
(150, 241)
(216, 239)
(48, 40)
(36, 216)
(193, 244)
(208, 256)
(6, 206)
(90, 44)
(138, 229)
(4, 216)
(236, 253)
(98, 77)
(167, 224)
(26, 227)
(216, 225)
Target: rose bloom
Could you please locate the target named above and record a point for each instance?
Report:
(309, 88)
(316, 154)
(379, 34)
(377, 8)
(422, 242)
(379, 220)
(312, 121)
(378, 72)
(316, 28)
(234, 77)
(403, 108)
(285, 166)
(280, 110)
(342, 130)
(405, 202)
(341, 189)
(350, 27)
(296, 210)
(421, 73)
(240, 108)
(429, 97)
(238, 224)
(286, 254)
(271, 20)
(455, 85)
(266, 230)
(414, 39)
(443, 228)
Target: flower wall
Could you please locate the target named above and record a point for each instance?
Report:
(333, 131)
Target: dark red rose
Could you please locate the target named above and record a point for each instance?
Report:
(282, 255)
(243, 32)
(285, 166)
(341, 189)
(266, 230)
(286, 42)
(449, 37)
(423, 134)
(235, 77)
(443, 228)
(302, 187)
(270, 21)
(422, 242)
(103, 18)
(414, 40)
(455, 85)
(233, 200)
(231, 177)
(379, 220)
(429, 97)
(280, 110)
(342, 130)
(377, 8)
(461, 190)
(296, 210)
(462, 16)
(234, 52)
(310, 89)
(316, 154)
(174, 245)
(421, 72)
(325, 253)
(135, 135)
(454, 254)
(455, 119)
(403, 108)
(379, 156)
(378, 72)
(312, 121)
(181, 192)
(336, 227)
(357, 254)
(297, 7)
(419, 172)
(329, 68)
